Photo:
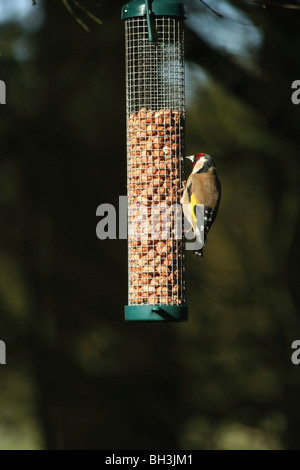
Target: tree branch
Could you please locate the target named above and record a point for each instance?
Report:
(263, 3)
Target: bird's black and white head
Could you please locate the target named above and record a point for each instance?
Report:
(202, 162)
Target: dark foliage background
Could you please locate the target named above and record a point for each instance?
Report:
(78, 376)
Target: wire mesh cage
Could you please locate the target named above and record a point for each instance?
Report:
(155, 97)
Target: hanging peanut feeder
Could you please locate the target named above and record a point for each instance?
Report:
(155, 96)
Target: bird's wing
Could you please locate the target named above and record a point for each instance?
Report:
(207, 194)
(188, 203)
(194, 197)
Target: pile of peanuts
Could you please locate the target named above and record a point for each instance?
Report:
(154, 183)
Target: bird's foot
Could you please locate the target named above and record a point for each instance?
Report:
(183, 187)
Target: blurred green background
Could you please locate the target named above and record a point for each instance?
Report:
(78, 376)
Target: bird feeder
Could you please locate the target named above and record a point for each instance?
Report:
(155, 100)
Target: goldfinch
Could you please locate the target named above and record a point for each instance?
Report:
(202, 188)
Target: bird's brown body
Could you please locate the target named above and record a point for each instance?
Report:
(205, 187)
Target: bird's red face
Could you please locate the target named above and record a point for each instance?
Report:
(195, 158)
(198, 157)
(202, 163)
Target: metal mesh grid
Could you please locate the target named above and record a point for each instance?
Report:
(155, 139)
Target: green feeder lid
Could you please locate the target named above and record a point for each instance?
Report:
(158, 8)
(168, 313)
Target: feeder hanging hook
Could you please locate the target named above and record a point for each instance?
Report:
(148, 16)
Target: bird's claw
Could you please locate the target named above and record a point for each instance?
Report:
(183, 187)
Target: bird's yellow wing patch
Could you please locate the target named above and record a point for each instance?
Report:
(193, 203)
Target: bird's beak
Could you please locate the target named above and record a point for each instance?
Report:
(191, 157)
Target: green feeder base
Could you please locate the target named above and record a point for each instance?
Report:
(175, 313)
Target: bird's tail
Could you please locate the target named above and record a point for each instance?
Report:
(199, 241)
